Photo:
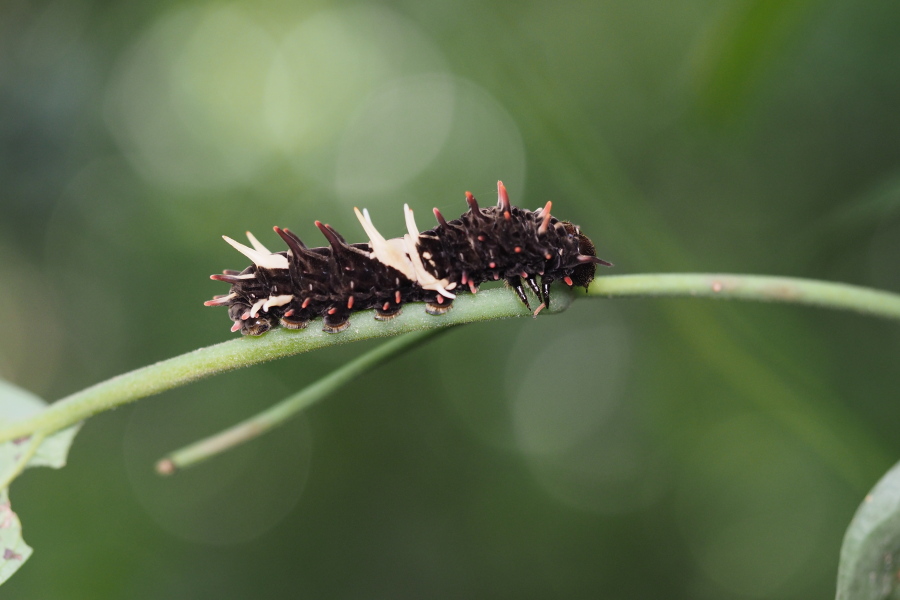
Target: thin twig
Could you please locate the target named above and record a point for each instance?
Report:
(278, 414)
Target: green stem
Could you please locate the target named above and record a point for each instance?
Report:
(487, 305)
(276, 415)
(751, 287)
(246, 351)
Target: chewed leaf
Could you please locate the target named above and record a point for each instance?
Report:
(13, 549)
(16, 455)
(870, 556)
(54, 450)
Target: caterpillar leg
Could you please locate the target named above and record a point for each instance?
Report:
(240, 314)
(336, 320)
(335, 327)
(545, 294)
(440, 305)
(545, 290)
(516, 284)
(534, 286)
(256, 326)
(289, 323)
(438, 309)
(386, 312)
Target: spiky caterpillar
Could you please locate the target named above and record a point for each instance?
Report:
(293, 287)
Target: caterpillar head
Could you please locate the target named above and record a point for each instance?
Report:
(583, 274)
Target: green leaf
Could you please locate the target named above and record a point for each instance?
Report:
(32, 451)
(13, 549)
(15, 456)
(870, 556)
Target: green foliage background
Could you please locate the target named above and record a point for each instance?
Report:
(641, 449)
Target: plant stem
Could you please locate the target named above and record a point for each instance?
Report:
(246, 351)
(276, 415)
(716, 286)
(751, 287)
(487, 305)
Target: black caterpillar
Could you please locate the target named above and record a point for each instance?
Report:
(503, 242)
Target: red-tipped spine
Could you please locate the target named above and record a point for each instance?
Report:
(502, 197)
(546, 218)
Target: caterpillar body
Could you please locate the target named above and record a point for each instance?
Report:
(503, 242)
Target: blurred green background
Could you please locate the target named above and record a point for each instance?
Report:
(625, 449)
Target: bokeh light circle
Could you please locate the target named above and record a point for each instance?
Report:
(570, 389)
(186, 101)
(396, 134)
(329, 63)
(585, 446)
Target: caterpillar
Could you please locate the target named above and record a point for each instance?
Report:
(291, 288)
